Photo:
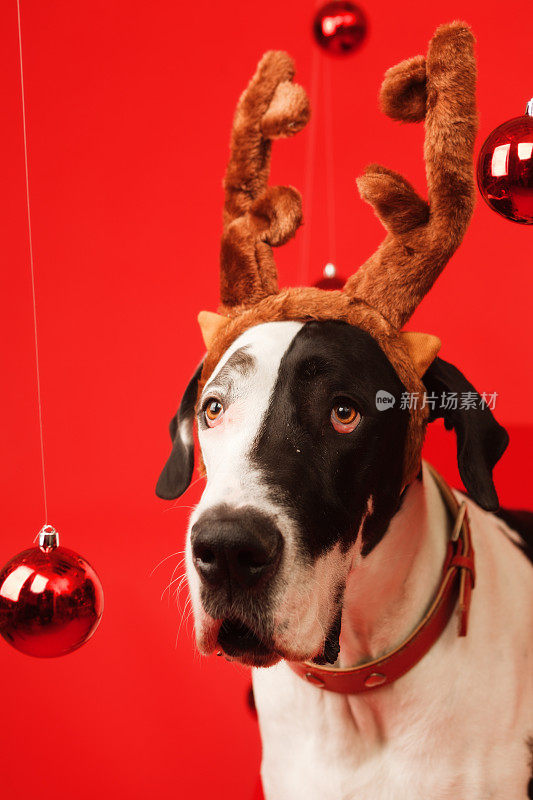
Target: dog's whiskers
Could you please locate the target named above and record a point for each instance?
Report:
(188, 605)
(174, 507)
(180, 586)
(200, 478)
(172, 582)
(177, 553)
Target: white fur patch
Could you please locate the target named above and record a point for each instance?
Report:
(305, 592)
(225, 448)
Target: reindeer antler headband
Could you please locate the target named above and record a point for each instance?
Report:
(421, 236)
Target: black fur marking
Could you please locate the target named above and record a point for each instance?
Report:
(481, 441)
(325, 478)
(332, 646)
(250, 700)
(529, 745)
(522, 522)
(177, 472)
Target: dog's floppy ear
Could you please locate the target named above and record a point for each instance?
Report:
(177, 472)
(481, 441)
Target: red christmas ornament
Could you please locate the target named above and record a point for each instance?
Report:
(340, 27)
(330, 279)
(505, 169)
(51, 599)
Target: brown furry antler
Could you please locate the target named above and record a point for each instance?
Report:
(258, 217)
(422, 235)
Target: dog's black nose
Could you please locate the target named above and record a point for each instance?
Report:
(235, 548)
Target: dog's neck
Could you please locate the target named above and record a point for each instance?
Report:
(389, 591)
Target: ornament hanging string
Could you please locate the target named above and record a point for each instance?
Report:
(30, 241)
(321, 84)
(330, 164)
(303, 277)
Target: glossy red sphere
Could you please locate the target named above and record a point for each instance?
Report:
(505, 170)
(340, 27)
(50, 602)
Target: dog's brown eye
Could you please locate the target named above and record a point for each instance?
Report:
(345, 413)
(213, 412)
(344, 417)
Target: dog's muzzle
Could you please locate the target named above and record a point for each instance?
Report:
(237, 553)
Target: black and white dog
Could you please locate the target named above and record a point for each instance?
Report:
(305, 529)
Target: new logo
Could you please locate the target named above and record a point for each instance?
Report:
(384, 400)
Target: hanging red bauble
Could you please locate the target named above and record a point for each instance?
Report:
(330, 279)
(340, 27)
(505, 169)
(51, 599)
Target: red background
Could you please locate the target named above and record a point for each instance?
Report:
(129, 106)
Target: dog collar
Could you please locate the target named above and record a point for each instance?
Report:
(458, 578)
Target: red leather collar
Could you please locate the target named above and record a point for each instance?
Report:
(458, 578)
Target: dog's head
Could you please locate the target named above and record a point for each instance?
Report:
(305, 470)
(305, 461)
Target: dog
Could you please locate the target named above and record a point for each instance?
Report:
(322, 541)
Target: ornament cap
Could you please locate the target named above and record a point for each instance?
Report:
(48, 538)
(529, 107)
